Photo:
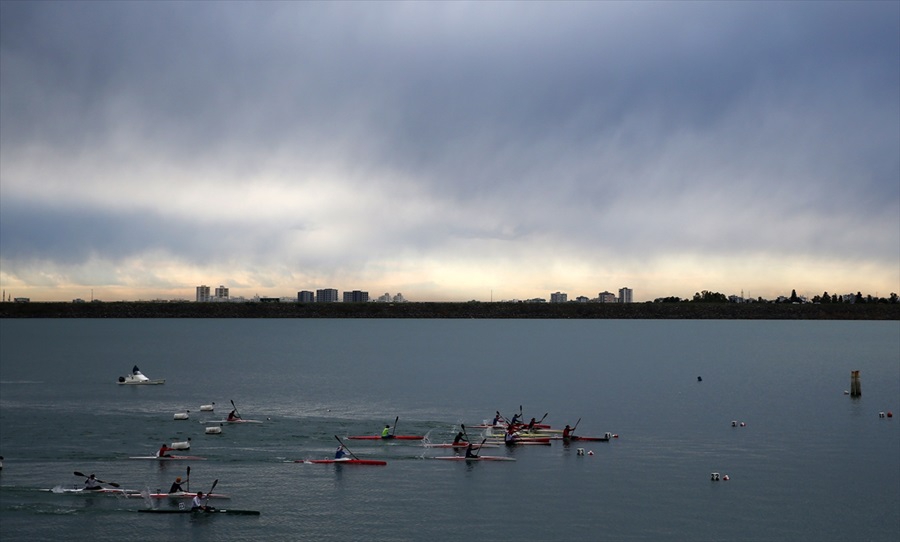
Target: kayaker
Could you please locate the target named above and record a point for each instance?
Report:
(567, 432)
(198, 504)
(531, 424)
(176, 486)
(233, 416)
(497, 418)
(164, 450)
(510, 437)
(514, 420)
(460, 438)
(469, 452)
(386, 432)
(92, 484)
(340, 453)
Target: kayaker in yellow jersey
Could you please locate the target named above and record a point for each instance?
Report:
(386, 432)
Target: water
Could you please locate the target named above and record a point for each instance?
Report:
(811, 463)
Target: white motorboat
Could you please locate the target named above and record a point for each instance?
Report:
(137, 377)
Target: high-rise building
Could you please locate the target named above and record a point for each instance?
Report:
(356, 296)
(606, 297)
(559, 297)
(222, 293)
(202, 294)
(625, 295)
(326, 295)
(306, 296)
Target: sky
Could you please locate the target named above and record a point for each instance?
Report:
(449, 151)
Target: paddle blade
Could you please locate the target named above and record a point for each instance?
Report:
(80, 474)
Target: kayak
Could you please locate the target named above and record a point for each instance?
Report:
(576, 437)
(170, 457)
(104, 491)
(479, 458)
(392, 437)
(239, 420)
(199, 512)
(343, 461)
(460, 445)
(177, 495)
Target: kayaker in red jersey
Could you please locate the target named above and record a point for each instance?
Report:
(567, 432)
(233, 416)
(164, 451)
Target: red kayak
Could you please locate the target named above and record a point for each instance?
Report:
(343, 461)
(392, 437)
(459, 445)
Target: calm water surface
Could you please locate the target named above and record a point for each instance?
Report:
(810, 464)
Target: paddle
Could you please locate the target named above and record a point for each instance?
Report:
(464, 432)
(345, 447)
(206, 500)
(572, 432)
(236, 413)
(189, 479)
(393, 431)
(479, 447)
(99, 480)
(543, 417)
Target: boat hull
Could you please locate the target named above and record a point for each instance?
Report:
(104, 491)
(343, 461)
(394, 437)
(479, 458)
(182, 495)
(170, 457)
(200, 512)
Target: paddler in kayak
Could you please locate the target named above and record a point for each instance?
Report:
(92, 484)
(198, 504)
(510, 437)
(460, 438)
(176, 486)
(469, 453)
(340, 453)
(233, 415)
(497, 418)
(567, 433)
(164, 450)
(386, 432)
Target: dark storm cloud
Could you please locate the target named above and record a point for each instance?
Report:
(631, 128)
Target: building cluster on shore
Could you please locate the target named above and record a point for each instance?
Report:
(322, 295)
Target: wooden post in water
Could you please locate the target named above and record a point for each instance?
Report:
(855, 389)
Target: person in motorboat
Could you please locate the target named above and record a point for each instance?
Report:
(460, 438)
(469, 453)
(386, 432)
(340, 453)
(198, 504)
(233, 415)
(176, 486)
(164, 451)
(135, 370)
(92, 484)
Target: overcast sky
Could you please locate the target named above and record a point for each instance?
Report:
(449, 151)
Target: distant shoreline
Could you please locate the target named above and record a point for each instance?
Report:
(499, 310)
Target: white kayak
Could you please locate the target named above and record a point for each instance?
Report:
(238, 420)
(102, 491)
(170, 457)
(178, 495)
(477, 458)
(137, 377)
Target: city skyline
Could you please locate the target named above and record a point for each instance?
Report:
(451, 151)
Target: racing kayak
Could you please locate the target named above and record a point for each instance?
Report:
(239, 420)
(170, 457)
(460, 445)
(199, 512)
(178, 495)
(345, 461)
(478, 458)
(392, 437)
(104, 491)
(575, 437)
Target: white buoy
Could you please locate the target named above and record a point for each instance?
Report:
(215, 430)
(182, 415)
(580, 451)
(714, 476)
(186, 445)
(207, 408)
